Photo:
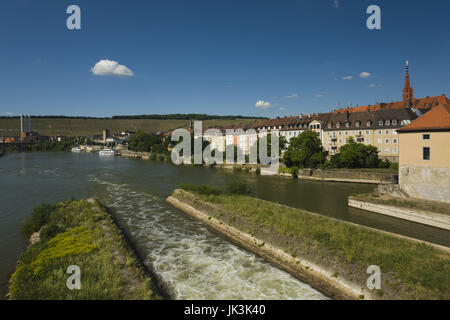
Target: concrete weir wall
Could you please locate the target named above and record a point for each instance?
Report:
(317, 276)
(425, 182)
(432, 219)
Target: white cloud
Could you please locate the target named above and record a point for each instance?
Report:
(9, 113)
(365, 75)
(336, 78)
(373, 85)
(347, 78)
(319, 95)
(263, 104)
(294, 95)
(111, 68)
(281, 108)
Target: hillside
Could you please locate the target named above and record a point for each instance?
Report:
(73, 127)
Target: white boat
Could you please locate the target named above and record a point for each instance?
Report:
(76, 149)
(108, 152)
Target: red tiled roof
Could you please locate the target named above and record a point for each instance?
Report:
(423, 103)
(437, 118)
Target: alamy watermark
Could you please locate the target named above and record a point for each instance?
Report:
(250, 146)
(74, 281)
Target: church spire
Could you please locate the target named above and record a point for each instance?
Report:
(408, 91)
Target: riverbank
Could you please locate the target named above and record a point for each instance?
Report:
(81, 233)
(331, 255)
(430, 213)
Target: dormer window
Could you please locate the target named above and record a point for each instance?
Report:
(387, 122)
(329, 126)
(347, 125)
(338, 125)
(380, 123)
(357, 124)
(368, 123)
(394, 122)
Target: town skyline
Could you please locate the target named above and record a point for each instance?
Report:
(216, 59)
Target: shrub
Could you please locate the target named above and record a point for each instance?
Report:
(294, 172)
(394, 166)
(384, 163)
(38, 218)
(162, 157)
(258, 171)
(238, 187)
(201, 189)
(153, 156)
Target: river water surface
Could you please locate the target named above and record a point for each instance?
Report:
(189, 260)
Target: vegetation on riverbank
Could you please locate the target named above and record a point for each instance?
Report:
(410, 270)
(84, 234)
(419, 204)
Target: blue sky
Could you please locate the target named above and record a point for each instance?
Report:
(218, 57)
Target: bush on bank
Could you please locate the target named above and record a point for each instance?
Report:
(234, 187)
(77, 233)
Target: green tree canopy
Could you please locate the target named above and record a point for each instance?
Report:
(356, 155)
(305, 151)
(143, 142)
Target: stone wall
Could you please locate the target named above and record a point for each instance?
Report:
(426, 182)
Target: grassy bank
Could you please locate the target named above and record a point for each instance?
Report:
(80, 233)
(410, 270)
(419, 204)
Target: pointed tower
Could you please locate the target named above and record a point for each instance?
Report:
(408, 91)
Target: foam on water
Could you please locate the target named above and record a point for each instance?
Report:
(193, 262)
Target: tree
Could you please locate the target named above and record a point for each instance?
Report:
(356, 155)
(142, 141)
(305, 151)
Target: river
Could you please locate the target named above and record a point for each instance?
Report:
(188, 260)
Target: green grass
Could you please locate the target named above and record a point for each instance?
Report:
(72, 127)
(423, 269)
(77, 233)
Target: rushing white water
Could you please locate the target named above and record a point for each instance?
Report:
(193, 262)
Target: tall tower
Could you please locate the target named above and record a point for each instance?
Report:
(408, 91)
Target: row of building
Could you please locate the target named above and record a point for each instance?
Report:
(375, 125)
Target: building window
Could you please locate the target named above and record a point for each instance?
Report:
(394, 131)
(346, 133)
(328, 134)
(367, 132)
(357, 124)
(329, 126)
(340, 140)
(367, 141)
(380, 122)
(347, 125)
(387, 141)
(426, 137)
(387, 131)
(368, 123)
(338, 125)
(394, 141)
(334, 134)
(387, 122)
(379, 132)
(387, 150)
(379, 150)
(395, 150)
(380, 141)
(340, 133)
(426, 153)
(394, 122)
